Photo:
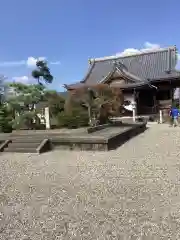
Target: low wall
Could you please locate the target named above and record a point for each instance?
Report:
(120, 139)
(99, 142)
(108, 138)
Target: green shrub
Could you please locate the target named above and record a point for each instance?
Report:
(27, 120)
(76, 119)
(5, 120)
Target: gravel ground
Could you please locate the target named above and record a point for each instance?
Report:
(130, 193)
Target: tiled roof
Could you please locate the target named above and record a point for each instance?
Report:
(145, 65)
(99, 71)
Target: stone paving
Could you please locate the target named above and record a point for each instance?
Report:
(131, 193)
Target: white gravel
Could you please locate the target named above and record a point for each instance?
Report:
(130, 193)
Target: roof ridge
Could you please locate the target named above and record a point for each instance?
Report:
(142, 52)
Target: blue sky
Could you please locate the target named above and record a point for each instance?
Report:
(71, 31)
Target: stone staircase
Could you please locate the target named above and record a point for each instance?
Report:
(28, 144)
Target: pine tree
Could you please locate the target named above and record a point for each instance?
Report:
(42, 72)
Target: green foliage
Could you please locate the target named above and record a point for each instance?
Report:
(23, 104)
(27, 120)
(42, 73)
(5, 119)
(101, 101)
(28, 102)
(2, 88)
(28, 94)
(55, 102)
(77, 118)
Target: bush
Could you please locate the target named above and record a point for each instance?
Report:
(76, 119)
(25, 121)
(5, 120)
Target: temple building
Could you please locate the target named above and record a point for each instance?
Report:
(149, 78)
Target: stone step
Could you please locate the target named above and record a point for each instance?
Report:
(21, 150)
(28, 145)
(37, 135)
(29, 136)
(27, 140)
(24, 144)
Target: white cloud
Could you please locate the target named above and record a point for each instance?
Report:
(147, 46)
(12, 63)
(128, 51)
(55, 63)
(30, 62)
(22, 79)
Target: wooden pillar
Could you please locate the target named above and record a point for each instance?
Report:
(160, 116)
(134, 106)
(172, 95)
(134, 114)
(137, 102)
(155, 104)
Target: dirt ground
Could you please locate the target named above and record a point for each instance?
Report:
(131, 193)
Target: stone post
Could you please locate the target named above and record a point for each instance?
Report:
(134, 111)
(160, 117)
(47, 118)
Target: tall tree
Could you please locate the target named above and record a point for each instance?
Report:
(5, 118)
(42, 72)
(101, 101)
(3, 88)
(55, 101)
(83, 96)
(24, 103)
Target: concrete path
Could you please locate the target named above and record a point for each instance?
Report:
(130, 193)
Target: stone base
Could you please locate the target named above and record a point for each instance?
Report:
(99, 142)
(107, 138)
